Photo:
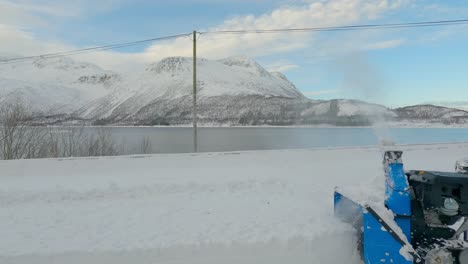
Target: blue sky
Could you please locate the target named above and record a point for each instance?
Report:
(395, 67)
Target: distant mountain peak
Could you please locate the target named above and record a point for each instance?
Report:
(462, 105)
(429, 111)
(171, 65)
(279, 75)
(241, 61)
(65, 64)
(244, 62)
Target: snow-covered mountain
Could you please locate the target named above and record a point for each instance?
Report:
(57, 85)
(432, 113)
(170, 80)
(462, 105)
(236, 91)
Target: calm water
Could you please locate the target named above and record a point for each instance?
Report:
(178, 139)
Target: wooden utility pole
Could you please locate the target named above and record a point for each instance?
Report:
(194, 118)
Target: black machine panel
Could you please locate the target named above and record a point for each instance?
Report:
(432, 188)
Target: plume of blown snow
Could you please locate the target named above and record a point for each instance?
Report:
(361, 78)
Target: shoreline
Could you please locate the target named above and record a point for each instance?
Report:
(399, 126)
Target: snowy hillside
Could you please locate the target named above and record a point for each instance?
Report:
(259, 207)
(64, 86)
(429, 111)
(55, 86)
(462, 105)
(236, 91)
(231, 91)
(432, 113)
(253, 110)
(353, 107)
(171, 79)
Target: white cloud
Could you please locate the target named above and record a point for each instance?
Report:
(313, 14)
(386, 44)
(19, 18)
(281, 66)
(17, 43)
(39, 13)
(15, 39)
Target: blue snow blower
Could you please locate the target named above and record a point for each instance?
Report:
(430, 217)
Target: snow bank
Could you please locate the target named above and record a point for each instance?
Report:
(242, 207)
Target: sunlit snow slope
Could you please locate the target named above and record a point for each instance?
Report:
(55, 86)
(171, 79)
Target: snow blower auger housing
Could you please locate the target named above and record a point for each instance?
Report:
(428, 222)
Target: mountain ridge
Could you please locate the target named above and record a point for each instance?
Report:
(232, 91)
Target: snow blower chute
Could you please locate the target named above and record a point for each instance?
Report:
(428, 222)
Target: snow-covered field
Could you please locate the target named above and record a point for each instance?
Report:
(242, 207)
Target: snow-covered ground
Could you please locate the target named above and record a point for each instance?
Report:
(242, 207)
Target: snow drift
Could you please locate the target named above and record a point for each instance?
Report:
(241, 207)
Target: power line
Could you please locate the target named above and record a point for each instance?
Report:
(343, 28)
(86, 50)
(256, 31)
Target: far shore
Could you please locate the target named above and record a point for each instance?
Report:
(381, 125)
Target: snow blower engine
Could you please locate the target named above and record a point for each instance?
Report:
(424, 218)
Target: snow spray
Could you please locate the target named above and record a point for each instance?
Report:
(361, 78)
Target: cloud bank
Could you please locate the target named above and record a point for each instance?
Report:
(18, 21)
